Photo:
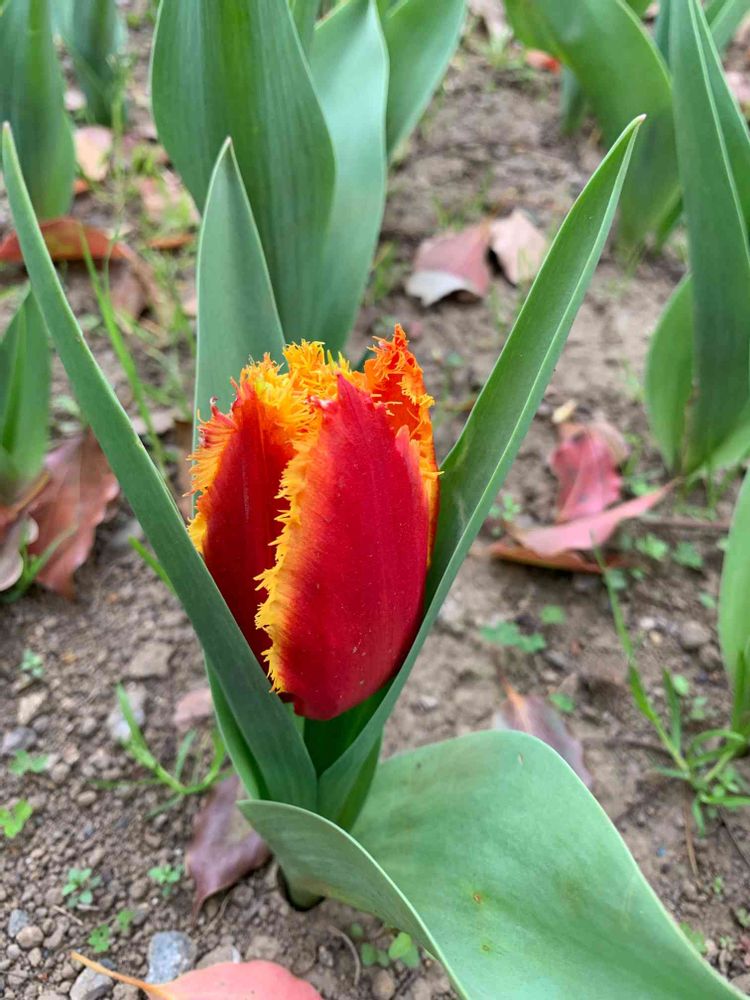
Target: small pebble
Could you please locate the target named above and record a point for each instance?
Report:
(223, 953)
(90, 985)
(86, 797)
(30, 936)
(693, 635)
(29, 707)
(17, 921)
(151, 660)
(262, 946)
(116, 724)
(383, 985)
(20, 738)
(170, 953)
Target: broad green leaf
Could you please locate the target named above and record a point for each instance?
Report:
(237, 316)
(421, 35)
(304, 13)
(475, 469)
(717, 234)
(669, 373)
(270, 733)
(491, 854)
(725, 17)
(236, 68)
(734, 598)
(348, 45)
(24, 399)
(31, 99)
(622, 74)
(95, 34)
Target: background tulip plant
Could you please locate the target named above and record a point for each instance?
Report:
(327, 544)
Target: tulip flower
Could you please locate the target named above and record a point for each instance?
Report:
(317, 498)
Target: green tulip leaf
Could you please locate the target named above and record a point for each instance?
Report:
(348, 45)
(237, 315)
(719, 258)
(24, 400)
(304, 13)
(267, 727)
(31, 99)
(622, 74)
(421, 35)
(237, 69)
(475, 469)
(491, 854)
(95, 35)
(734, 600)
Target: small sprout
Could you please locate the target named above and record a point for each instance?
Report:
(653, 547)
(562, 702)
(696, 938)
(13, 819)
(707, 600)
(698, 711)
(356, 930)
(124, 919)
(23, 762)
(100, 939)
(742, 916)
(616, 579)
(80, 886)
(368, 953)
(552, 614)
(32, 664)
(686, 554)
(167, 876)
(509, 634)
(403, 949)
(718, 886)
(681, 685)
(510, 508)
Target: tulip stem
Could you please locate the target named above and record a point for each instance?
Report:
(300, 898)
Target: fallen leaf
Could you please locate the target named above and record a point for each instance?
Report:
(572, 562)
(193, 708)
(173, 241)
(534, 715)
(542, 60)
(66, 237)
(183, 432)
(69, 508)
(93, 148)
(224, 847)
(127, 291)
(451, 262)
(585, 463)
(519, 246)
(11, 561)
(492, 14)
(256, 980)
(585, 532)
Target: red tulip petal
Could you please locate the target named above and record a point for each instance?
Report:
(238, 471)
(346, 592)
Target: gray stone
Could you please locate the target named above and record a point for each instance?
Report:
(17, 921)
(170, 953)
(742, 982)
(20, 738)
(50, 996)
(29, 707)
(125, 992)
(30, 936)
(383, 985)
(151, 660)
(90, 985)
(116, 724)
(693, 635)
(223, 953)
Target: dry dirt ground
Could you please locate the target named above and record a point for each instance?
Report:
(490, 143)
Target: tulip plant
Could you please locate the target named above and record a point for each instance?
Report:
(315, 109)
(323, 543)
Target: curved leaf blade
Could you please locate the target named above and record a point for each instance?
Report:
(491, 853)
(734, 598)
(237, 315)
(266, 725)
(31, 99)
(237, 69)
(474, 470)
(348, 45)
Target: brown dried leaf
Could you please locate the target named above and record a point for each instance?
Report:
(192, 709)
(572, 562)
(534, 715)
(93, 149)
(224, 847)
(127, 291)
(519, 246)
(65, 238)
(451, 262)
(74, 501)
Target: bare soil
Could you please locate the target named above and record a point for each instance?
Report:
(489, 143)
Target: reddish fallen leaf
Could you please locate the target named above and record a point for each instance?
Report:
(171, 241)
(585, 532)
(451, 262)
(73, 502)
(585, 463)
(256, 980)
(224, 847)
(193, 708)
(534, 715)
(519, 246)
(65, 238)
(542, 60)
(93, 148)
(572, 562)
